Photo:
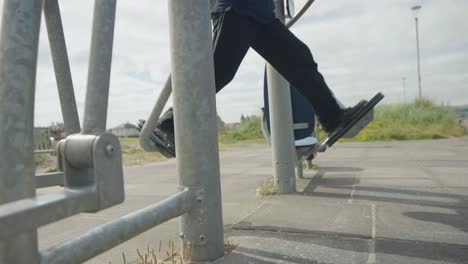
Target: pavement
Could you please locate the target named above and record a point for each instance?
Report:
(384, 202)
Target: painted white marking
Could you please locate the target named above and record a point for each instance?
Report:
(371, 259)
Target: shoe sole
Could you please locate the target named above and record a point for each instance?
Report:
(159, 143)
(356, 118)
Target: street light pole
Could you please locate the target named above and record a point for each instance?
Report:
(416, 10)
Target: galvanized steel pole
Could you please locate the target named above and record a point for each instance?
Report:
(62, 67)
(97, 93)
(418, 57)
(18, 61)
(193, 85)
(282, 138)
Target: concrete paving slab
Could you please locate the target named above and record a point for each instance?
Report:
(450, 177)
(416, 252)
(325, 194)
(449, 162)
(432, 197)
(326, 180)
(399, 182)
(422, 224)
(386, 172)
(270, 247)
(300, 214)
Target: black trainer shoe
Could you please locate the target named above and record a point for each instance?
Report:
(164, 146)
(352, 116)
(346, 116)
(166, 134)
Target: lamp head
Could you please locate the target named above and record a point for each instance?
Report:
(416, 10)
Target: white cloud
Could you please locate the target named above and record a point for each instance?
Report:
(361, 47)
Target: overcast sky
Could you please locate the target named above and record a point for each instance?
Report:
(362, 47)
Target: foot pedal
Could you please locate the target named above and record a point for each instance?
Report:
(362, 118)
(162, 147)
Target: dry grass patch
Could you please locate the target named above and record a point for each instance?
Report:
(267, 188)
(171, 254)
(45, 163)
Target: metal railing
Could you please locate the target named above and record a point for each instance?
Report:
(89, 158)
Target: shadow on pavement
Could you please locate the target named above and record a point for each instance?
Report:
(457, 221)
(455, 253)
(248, 255)
(350, 183)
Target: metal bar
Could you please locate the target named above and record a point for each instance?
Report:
(107, 236)
(47, 151)
(18, 60)
(281, 123)
(282, 137)
(63, 77)
(193, 83)
(147, 130)
(15, 217)
(299, 168)
(150, 124)
(49, 179)
(264, 129)
(299, 14)
(317, 130)
(97, 93)
(418, 57)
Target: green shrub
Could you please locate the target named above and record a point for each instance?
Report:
(419, 120)
(249, 129)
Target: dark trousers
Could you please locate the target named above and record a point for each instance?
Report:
(233, 36)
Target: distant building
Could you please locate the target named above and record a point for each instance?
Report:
(231, 126)
(125, 130)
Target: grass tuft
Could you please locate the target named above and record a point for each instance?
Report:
(229, 246)
(267, 188)
(171, 255)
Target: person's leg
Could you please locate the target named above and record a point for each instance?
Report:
(232, 36)
(294, 61)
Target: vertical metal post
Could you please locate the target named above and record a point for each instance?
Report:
(18, 61)
(97, 93)
(419, 63)
(282, 137)
(299, 168)
(193, 85)
(62, 67)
